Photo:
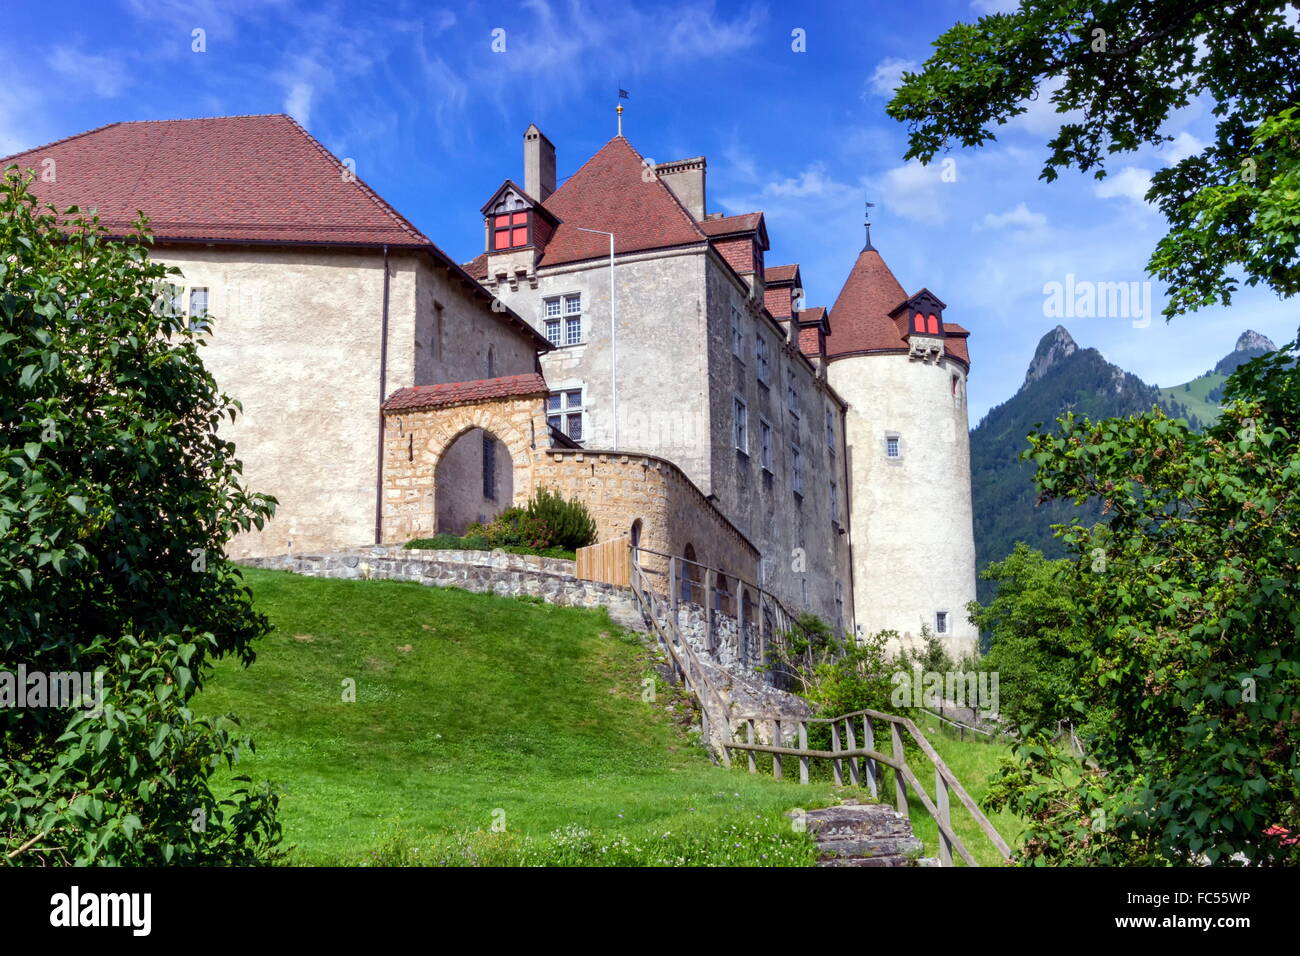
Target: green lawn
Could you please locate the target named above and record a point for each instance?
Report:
(475, 710)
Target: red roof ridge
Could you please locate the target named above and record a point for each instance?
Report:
(475, 390)
(401, 221)
(58, 142)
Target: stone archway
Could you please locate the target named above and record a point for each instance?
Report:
(473, 481)
(424, 424)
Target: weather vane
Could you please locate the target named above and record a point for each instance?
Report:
(866, 221)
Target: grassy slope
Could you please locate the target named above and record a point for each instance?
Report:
(469, 703)
(1194, 400)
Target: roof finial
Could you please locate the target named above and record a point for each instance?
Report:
(622, 95)
(866, 221)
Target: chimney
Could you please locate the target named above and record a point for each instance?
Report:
(685, 178)
(539, 164)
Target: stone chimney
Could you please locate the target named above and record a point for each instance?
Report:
(685, 178)
(539, 164)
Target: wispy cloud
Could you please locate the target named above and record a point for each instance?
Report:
(1129, 183)
(103, 75)
(888, 75)
(1020, 218)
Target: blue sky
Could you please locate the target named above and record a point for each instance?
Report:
(433, 118)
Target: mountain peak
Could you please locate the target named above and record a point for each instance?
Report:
(1251, 339)
(1250, 344)
(1053, 347)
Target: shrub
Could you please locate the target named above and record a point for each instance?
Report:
(568, 523)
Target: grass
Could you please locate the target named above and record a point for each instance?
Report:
(451, 542)
(974, 762)
(1195, 399)
(476, 712)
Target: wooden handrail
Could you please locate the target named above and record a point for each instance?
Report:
(945, 780)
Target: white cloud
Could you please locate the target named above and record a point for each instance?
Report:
(1182, 146)
(1129, 183)
(985, 7)
(1021, 217)
(103, 75)
(915, 192)
(888, 74)
(297, 102)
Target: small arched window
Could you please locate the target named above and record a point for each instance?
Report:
(491, 362)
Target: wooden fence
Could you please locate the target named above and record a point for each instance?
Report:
(608, 561)
(863, 764)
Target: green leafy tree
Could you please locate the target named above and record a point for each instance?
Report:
(117, 498)
(1033, 620)
(1189, 616)
(1120, 69)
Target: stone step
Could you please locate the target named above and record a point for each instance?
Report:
(864, 834)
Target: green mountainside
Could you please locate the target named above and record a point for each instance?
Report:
(1062, 377)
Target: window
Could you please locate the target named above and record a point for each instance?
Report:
(835, 504)
(563, 319)
(737, 337)
(489, 467)
(830, 431)
(742, 427)
(510, 231)
(491, 362)
(941, 622)
(796, 470)
(760, 357)
(765, 445)
(437, 330)
(198, 308)
(839, 603)
(893, 447)
(564, 412)
(791, 394)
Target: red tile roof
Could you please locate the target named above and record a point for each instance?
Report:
(608, 192)
(227, 178)
(862, 313)
(456, 393)
(261, 178)
(862, 321)
(780, 274)
(726, 225)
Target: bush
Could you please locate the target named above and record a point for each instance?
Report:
(569, 523)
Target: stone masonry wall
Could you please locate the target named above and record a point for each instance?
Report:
(414, 442)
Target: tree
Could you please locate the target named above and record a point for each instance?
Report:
(1188, 618)
(117, 498)
(1033, 620)
(1126, 66)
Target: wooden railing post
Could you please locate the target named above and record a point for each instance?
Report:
(869, 765)
(776, 742)
(945, 818)
(837, 766)
(749, 739)
(900, 785)
(853, 745)
(672, 582)
(803, 745)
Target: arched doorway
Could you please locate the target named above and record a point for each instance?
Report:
(475, 481)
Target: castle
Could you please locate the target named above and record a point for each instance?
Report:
(615, 340)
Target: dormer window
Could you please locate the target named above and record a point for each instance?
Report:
(926, 324)
(509, 231)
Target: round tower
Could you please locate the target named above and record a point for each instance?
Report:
(902, 368)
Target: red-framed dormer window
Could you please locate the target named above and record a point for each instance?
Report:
(509, 231)
(922, 324)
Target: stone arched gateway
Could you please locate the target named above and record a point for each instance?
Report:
(420, 425)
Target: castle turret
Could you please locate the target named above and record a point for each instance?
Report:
(902, 367)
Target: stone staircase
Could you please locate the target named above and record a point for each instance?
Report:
(864, 834)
